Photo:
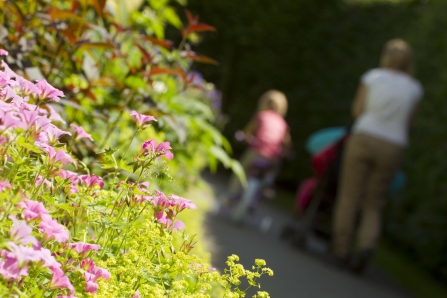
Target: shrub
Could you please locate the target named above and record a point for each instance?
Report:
(65, 231)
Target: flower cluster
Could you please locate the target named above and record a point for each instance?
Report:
(65, 232)
(167, 208)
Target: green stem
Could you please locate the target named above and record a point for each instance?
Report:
(125, 153)
(43, 182)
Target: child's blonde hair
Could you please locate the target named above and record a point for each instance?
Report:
(397, 54)
(273, 100)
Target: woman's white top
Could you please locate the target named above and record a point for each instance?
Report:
(390, 100)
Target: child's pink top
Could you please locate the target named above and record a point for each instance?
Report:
(269, 135)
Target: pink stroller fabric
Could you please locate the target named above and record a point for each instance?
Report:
(304, 194)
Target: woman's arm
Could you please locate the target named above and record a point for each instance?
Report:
(358, 107)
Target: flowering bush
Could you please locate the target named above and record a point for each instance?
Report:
(65, 231)
(107, 58)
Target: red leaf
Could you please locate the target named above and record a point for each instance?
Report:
(201, 58)
(164, 43)
(99, 6)
(94, 45)
(182, 73)
(59, 14)
(191, 18)
(184, 33)
(74, 6)
(12, 8)
(201, 27)
(146, 55)
(161, 70)
(90, 95)
(120, 28)
(72, 30)
(107, 81)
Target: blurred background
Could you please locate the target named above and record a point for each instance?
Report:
(315, 51)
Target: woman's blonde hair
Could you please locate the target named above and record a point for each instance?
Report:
(273, 100)
(398, 55)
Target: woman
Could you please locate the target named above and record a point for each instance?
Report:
(384, 108)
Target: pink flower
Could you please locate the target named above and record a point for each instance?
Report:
(29, 117)
(149, 146)
(10, 120)
(27, 87)
(92, 274)
(21, 232)
(4, 185)
(73, 178)
(143, 186)
(23, 254)
(10, 73)
(51, 134)
(8, 93)
(211, 269)
(87, 265)
(182, 203)
(169, 155)
(141, 119)
(54, 115)
(5, 80)
(47, 258)
(160, 201)
(70, 176)
(163, 146)
(48, 91)
(82, 247)
(59, 156)
(80, 133)
(91, 287)
(32, 209)
(40, 180)
(162, 149)
(9, 267)
(3, 52)
(91, 180)
(60, 280)
(137, 294)
(101, 272)
(2, 141)
(178, 225)
(53, 229)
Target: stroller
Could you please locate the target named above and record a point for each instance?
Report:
(316, 195)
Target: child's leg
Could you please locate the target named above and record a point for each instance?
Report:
(234, 185)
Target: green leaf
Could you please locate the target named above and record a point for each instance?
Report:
(158, 4)
(107, 152)
(65, 206)
(238, 170)
(171, 16)
(125, 166)
(221, 155)
(23, 143)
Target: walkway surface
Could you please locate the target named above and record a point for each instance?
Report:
(297, 273)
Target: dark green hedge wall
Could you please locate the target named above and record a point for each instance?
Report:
(315, 51)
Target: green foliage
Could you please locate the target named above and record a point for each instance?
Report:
(316, 51)
(107, 65)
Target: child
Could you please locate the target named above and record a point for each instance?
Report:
(268, 136)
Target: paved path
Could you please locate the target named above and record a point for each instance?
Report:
(297, 273)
